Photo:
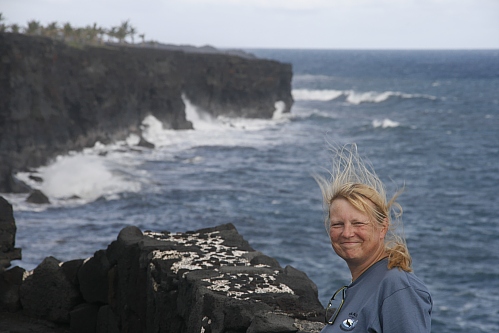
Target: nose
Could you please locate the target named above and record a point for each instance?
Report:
(348, 230)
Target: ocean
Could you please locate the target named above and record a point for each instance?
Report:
(428, 121)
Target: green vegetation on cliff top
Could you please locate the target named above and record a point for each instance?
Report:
(91, 34)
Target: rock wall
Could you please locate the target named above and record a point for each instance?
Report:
(55, 98)
(210, 280)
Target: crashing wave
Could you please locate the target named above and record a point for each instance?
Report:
(351, 96)
(385, 123)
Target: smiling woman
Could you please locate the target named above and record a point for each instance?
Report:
(380, 298)
(354, 237)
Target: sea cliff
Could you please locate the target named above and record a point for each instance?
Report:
(55, 98)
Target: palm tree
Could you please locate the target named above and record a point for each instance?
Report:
(34, 28)
(100, 32)
(132, 31)
(93, 33)
(143, 37)
(111, 33)
(51, 30)
(122, 31)
(14, 28)
(2, 25)
(67, 31)
(78, 34)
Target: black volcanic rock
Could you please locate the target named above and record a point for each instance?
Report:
(56, 98)
(47, 293)
(209, 280)
(37, 197)
(205, 281)
(8, 251)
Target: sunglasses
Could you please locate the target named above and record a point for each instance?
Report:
(330, 320)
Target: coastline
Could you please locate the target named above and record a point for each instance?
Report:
(60, 98)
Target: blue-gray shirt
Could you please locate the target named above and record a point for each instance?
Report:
(384, 300)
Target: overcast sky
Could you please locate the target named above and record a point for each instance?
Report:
(324, 24)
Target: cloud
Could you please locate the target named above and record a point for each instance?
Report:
(281, 4)
(326, 4)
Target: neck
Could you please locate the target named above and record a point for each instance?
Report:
(357, 269)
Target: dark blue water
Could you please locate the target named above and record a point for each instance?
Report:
(427, 120)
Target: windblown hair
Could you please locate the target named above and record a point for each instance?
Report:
(354, 180)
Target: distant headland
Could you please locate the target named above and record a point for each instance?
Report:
(60, 96)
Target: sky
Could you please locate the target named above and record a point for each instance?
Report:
(296, 24)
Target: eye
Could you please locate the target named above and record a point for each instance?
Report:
(336, 224)
(359, 223)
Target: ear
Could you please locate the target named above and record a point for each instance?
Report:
(384, 228)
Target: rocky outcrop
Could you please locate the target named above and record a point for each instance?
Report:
(209, 280)
(8, 251)
(56, 98)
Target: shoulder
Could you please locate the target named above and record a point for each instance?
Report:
(395, 279)
(398, 278)
(405, 303)
(398, 282)
(389, 281)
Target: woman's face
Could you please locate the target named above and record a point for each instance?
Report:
(354, 237)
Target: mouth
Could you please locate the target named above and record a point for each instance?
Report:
(349, 244)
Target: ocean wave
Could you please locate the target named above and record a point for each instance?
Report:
(303, 113)
(203, 121)
(385, 123)
(316, 95)
(108, 171)
(210, 130)
(351, 96)
(310, 78)
(77, 179)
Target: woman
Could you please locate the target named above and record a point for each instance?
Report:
(383, 296)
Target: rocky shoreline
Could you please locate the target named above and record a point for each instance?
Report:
(209, 280)
(57, 98)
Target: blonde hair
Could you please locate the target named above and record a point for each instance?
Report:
(355, 180)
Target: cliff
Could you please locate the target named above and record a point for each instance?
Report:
(209, 280)
(55, 98)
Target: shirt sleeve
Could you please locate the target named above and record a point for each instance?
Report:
(407, 310)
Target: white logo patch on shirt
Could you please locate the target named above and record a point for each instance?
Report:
(348, 324)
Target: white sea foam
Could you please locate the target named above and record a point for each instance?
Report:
(301, 113)
(102, 171)
(203, 121)
(368, 97)
(351, 96)
(208, 130)
(200, 119)
(280, 106)
(82, 176)
(385, 123)
(316, 95)
(108, 170)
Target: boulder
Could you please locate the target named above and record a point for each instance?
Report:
(71, 268)
(146, 144)
(10, 282)
(37, 197)
(93, 278)
(107, 322)
(47, 293)
(84, 318)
